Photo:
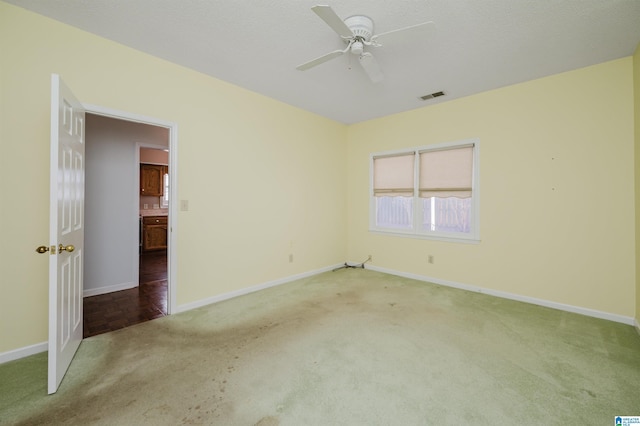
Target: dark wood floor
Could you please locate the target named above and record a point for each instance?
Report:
(112, 311)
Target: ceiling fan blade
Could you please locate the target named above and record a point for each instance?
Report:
(371, 67)
(320, 60)
(425, 29)
(327, 14)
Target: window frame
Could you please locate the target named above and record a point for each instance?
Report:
(416, 232)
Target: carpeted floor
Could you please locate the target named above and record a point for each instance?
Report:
(352, 347)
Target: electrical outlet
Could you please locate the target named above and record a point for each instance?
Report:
(184, 205)
(291, 258)
(430, 259)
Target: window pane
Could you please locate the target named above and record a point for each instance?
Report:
(164, 202)
(446, 214)
(394, 212)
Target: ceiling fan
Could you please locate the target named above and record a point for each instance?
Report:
(357, 33)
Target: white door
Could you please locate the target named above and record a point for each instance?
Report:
(66, 230)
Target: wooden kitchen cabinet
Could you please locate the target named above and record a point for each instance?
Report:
(154, 233)
(151, 179)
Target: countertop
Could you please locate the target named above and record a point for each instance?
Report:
(154, 212)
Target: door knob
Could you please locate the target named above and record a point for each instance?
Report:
(68, 248)
(42, 249)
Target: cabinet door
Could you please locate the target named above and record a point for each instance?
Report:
(155, 237)
(151, 180)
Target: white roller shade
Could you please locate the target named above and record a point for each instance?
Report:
(393, 175)
(446, 173)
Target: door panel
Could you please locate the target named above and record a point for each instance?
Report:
(66, 216)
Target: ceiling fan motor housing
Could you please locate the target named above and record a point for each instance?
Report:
(361, 26)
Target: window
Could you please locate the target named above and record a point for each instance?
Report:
(427, 192)
(164, 200)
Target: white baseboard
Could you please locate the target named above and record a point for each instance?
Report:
(23, 352)
(505, 295)
(252, 289)
(42, 347)
(107, 289)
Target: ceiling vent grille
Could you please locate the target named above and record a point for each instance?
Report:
(432, 95)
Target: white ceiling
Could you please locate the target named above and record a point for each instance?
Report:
(256, 44)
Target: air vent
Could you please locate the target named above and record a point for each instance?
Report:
(431, 96)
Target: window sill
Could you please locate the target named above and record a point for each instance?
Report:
(435, 237)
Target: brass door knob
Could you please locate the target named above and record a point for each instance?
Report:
(42, 249)
(68, 248)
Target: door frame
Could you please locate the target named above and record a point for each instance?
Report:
(172, 269)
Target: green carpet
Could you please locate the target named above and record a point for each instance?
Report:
(352, 347)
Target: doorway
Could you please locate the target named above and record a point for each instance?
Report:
(124, 285)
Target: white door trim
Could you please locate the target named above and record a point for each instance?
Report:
(172, 270)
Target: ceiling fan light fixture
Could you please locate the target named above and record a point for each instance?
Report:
(357, 48)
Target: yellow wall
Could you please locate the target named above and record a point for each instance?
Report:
(573, 244)
(636, 115)
(263, 179)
